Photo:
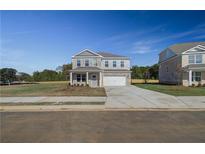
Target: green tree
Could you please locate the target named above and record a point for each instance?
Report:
(145, 72)
(36, 76)
(154, 71)
(24, 76)
(66, 69)
(7, 74)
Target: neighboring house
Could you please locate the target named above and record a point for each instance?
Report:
(98, 69)
(183, 64)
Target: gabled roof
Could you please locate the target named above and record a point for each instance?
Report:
(88, 52)
(182, 47)
(107, 54)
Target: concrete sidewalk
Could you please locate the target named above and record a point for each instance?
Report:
(51, 99)
(128, 97)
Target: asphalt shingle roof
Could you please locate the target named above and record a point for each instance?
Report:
(179, 48)
(107, 54)
(87, 69)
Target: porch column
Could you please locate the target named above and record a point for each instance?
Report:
(100, 79)
(190, 77)
(71, 78)
(87, 78)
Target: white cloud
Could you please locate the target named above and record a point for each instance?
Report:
(148, 44)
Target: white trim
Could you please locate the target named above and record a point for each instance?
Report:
(198, 46)
(71, 78)
(190, 77)
(88, 51)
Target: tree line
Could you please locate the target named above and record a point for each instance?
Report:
(145, 72)
(8, 75)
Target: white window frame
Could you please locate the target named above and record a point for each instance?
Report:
(81, 77)
(78, 76)
(87, 63)
(200, 57)
(193, 58)
(114, 63)
(78, 62)
(122, 63)
(195, 76)
(106, 63)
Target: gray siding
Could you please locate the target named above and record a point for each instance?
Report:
(170, 71)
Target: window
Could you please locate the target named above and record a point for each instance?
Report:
(78, 77)
(94, 62)
(86, 62)
(167, 69)
(191, 59)
(94, 77)
(106, 64)
(122, 64)
(83, 77)
(199, 59)
(196, 76)
(78, 62)
(114, 64)
(195, 59)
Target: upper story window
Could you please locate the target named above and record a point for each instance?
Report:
(86, 62)
(122, 64)
(78, 63)
(114, 64)
(195, 59)
(199, 59)
(94, 62)
(106, 64)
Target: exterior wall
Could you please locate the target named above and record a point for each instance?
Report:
(118, 62)
(185, 59)
(101, 62)
(185, 80)
(170, 71)
(92, 61)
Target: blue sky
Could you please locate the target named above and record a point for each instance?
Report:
(36, 40)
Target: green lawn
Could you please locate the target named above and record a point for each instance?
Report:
(50, 89)
(174, 90)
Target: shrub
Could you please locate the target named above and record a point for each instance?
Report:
(199, 85)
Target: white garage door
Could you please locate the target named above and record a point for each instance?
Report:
(114, 81)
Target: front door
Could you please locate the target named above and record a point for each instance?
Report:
(94, 82)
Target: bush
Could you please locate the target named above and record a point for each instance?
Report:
(199, 85)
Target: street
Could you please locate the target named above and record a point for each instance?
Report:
(103, 126)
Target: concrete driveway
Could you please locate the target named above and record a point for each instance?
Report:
(134, 97)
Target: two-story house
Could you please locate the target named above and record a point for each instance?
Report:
(98, 69)
(183, 64)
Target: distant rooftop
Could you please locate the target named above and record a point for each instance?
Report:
(108, 54)
(181, 47)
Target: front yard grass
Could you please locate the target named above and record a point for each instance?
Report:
(49, 89)
(174, 90)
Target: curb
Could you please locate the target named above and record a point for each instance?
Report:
(50, 108)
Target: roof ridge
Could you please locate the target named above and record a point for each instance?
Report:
(184, 43)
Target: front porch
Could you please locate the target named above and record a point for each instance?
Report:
(83, 77)
(194, 75)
